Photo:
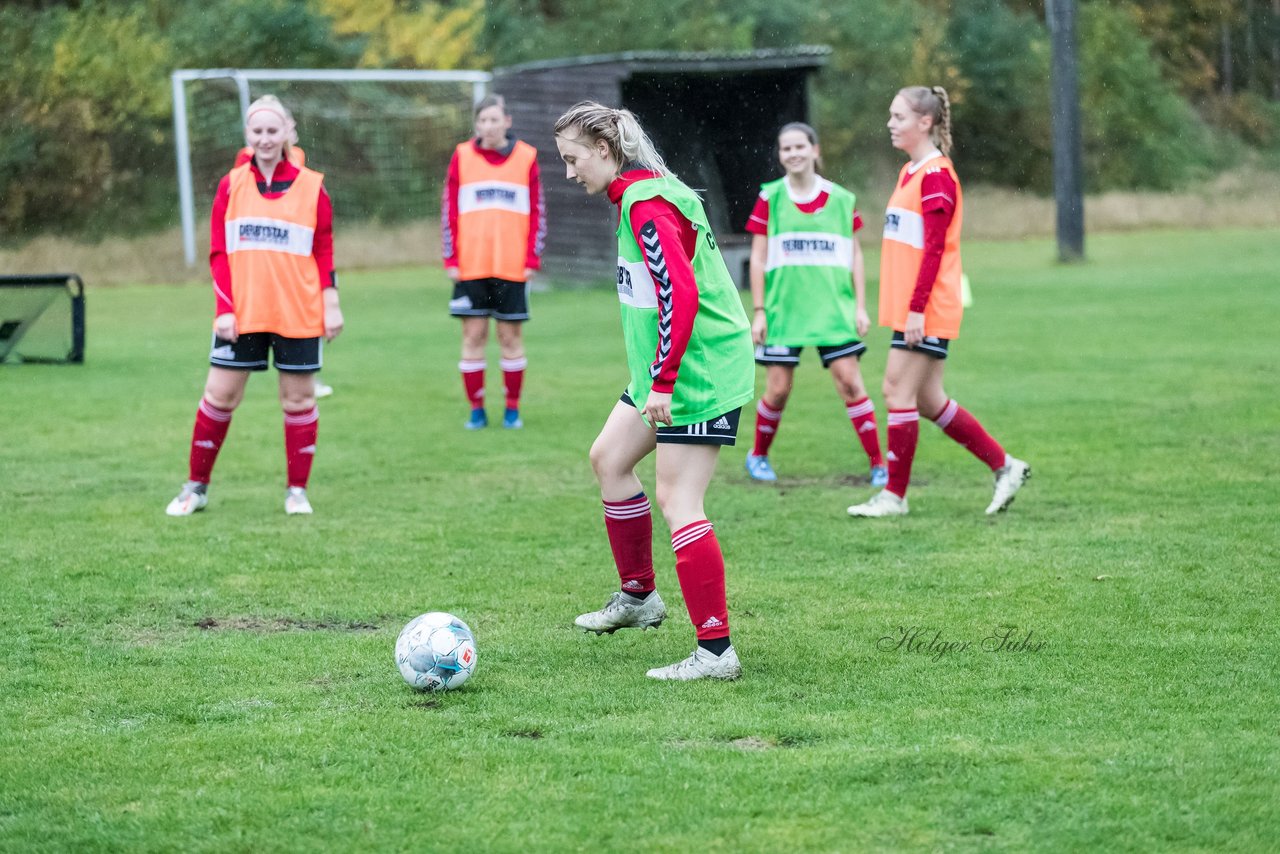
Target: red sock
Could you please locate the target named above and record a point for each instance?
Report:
(206, 440)
(513, 379)
(630, 527)
(767, 420)
(904, 430)
(300, 430)
(863, 415)
(957, 423)
(473, 381)
(700, 568)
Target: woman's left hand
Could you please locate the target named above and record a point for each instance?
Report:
(914, 333)
(657, 409)
(862, 323)
(332, 314)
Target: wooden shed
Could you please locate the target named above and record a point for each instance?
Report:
(713, 116)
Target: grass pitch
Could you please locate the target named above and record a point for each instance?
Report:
(225, 682)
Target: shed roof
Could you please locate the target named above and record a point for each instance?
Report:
(800, 56)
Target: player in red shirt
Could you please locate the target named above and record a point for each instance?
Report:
(298, 157)
(920, 299)
(800, 201)
(493, 224)
(271, 258)
(689, 359)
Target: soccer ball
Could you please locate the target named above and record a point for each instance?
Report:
(436, 652)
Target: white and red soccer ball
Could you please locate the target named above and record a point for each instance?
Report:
(436, 652)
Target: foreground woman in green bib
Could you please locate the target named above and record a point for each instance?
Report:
(808, 287)
(688, 346)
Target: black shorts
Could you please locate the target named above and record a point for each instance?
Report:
(496, 298)
(930, 346)
(721, 430)
(249, 352)
(777, 354)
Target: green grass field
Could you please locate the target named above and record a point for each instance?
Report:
(225, 682)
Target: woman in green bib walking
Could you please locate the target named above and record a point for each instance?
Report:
(688, 346)
(808, 288)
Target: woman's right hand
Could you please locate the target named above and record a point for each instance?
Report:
(224, 325)
(759, 329)
(913, 334)
(452, 273)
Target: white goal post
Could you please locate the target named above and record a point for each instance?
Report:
(241, 80)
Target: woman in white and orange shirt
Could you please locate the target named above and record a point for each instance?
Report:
(920, 300)
(492, 229)
(271, 257)
(298, 158)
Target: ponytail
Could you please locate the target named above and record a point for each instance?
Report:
(943, 122)
(934, 102)
(621, 132)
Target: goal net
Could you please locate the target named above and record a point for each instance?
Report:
(42, 318)
(382, 138)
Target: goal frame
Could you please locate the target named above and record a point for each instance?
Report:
(479, 81)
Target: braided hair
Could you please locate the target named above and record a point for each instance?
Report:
(932, 101)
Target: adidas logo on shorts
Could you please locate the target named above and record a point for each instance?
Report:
(226, 351)
(722, 423)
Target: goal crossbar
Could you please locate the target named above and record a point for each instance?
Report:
(479, 81)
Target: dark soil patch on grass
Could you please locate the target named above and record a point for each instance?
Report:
(282, 624)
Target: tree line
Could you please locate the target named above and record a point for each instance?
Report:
(1170, 89)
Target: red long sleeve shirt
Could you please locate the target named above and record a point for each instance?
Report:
(677, 240)
(938, 202)
(281, 181)
(449, 207)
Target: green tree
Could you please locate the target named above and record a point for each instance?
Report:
(1001, 109)
(91, 96)
(1138, 132)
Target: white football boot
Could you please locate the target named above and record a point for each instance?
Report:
(323, 389)
(703, 664)
(883, 503)
(191, 498)
(1009, 479)
(295, 501)
(624, 611)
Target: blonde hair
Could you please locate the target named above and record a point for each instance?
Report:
(272, 104)
(626, 140)
(932, 101)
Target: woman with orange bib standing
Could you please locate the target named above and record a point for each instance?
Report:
(920, 300)
(298, 158)
(493, 226)
(271, 256)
